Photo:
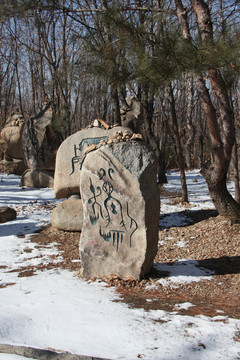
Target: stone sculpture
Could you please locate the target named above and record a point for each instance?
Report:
(40, 143)
(132, 113)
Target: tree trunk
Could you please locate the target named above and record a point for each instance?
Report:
(179, 151)
(220, 196)
(236, 172)
(150, 138)
(190, 128)
(116, 108)
(199, 137)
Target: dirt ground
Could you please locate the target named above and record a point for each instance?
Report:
(210, 239)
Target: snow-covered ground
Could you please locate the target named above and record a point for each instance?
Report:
(56, 309)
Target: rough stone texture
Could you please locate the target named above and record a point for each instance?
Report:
(68, 215)
(11, 137)
(121, 206)
(15, 166)
(40, 141)
(37, 179)
(70, 156)
(7, 214)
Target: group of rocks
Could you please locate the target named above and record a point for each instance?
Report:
(106, 178)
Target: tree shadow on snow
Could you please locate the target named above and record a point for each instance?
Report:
(187, 270)
(18, 229)
(223, 265)
(185, 218)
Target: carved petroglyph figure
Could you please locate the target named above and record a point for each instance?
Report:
(115, 223)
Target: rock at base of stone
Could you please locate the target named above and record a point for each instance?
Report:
(7, 214)
(68, 215)
(37, 179)
(15, 166)
(121, 206)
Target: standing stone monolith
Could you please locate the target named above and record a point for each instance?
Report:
(121, 207)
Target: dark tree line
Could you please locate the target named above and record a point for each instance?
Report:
(179, 60)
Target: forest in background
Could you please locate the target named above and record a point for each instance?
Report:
(177, 60)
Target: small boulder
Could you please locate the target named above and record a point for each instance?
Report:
(68, 215)
(7, 214)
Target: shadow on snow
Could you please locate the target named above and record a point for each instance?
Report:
(185, 218)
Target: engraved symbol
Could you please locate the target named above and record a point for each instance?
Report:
(114, 221)
(79, 156)
(96, 207)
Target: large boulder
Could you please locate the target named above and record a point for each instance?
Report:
(40, 140)
(11, 137)
(121, 206)
(7, 214)
(71, 155)
(68, 215)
